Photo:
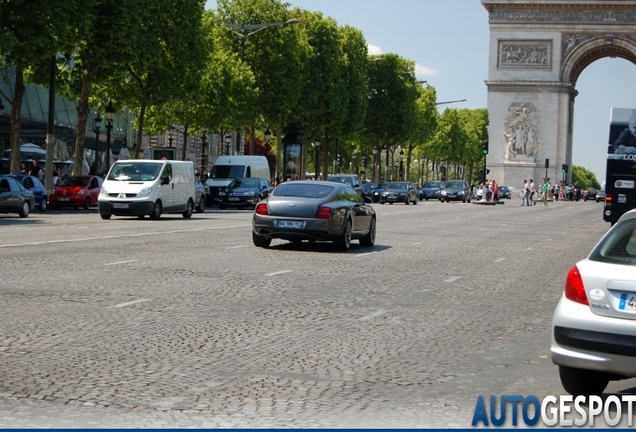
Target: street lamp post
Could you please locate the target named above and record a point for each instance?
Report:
(204, 154)
(353, 164)
(375, 164)
(228, 142)
(316, 145)
(110, 111)
(450, 102)
(98, 122)
(170, 138)
(401, 165)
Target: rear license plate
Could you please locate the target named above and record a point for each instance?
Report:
(122, 206)
(233, 199)
(64, 199)
(290, 224)
(628, 302)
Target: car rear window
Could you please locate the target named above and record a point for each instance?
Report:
(302, 190)
(619, 246)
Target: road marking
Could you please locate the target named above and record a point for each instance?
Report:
(120, 305)
(120, 262)
(85, 239)
(499, 260)
(529, 248)
(237, 247)
(278, 272)
(363, 254)
(418, 243)
(453, 279)
(373, 315)
(404, 212)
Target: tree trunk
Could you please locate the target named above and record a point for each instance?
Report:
(82, 116)
(140, 130)
(16, 108)
(252, 140)
(184, 149)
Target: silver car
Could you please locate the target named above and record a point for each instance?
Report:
(314, 211)
(594, 324)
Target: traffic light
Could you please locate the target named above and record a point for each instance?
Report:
(484, 147)
(339, 160)
(564, 168)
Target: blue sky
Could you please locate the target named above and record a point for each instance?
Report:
(448, 40)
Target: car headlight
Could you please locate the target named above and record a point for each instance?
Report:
(103, 192)
(221, 193)
(205, 187)
(145, 191)
(384, 194)
(460, 193)
(81, 192)
(443, 192)
(251, 193)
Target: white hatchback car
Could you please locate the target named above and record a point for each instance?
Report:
(594, 324)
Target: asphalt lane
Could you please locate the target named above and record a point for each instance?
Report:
(184, 323)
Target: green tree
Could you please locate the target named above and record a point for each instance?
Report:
(426, 116)
(475, 125)
(450, 137)
(584, 178)
(31, 34)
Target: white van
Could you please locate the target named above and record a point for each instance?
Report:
(228, 168)
(140, 187)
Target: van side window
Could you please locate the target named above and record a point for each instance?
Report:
(248, 172)
(167, 171)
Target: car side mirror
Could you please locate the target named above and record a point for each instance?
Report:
(165, 180)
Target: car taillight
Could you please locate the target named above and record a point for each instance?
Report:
(574, 289)
(324, 213)
(261, 209)
(608, 199)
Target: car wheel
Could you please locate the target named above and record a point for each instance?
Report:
(260, 241)
(201, 206)
(391, 203)
(582, 382)
(187, 214)
(344, 242)
(156, 211)
(26, 209)
(105, 216)
(222, 207)
(426, 199)
(369, 239)
(415, 202)
(87, 203)
(43, 204)
(141, 216)
(408, 201)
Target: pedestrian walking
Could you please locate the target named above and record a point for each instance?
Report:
(525, 193)
(532, 192)
(545, 188)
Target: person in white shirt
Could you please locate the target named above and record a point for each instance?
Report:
(532, 192)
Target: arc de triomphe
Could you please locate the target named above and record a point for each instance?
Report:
(538, 49)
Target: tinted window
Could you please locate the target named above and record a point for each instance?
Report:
(350, 180)
(302, 190)
(74, 181)
(228, 171)
(432, 184)
(28, 182)
(134, 171)
(396, 185)
(619, 246)
(455, 185)
(244, 183)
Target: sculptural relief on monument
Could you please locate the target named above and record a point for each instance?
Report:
(521, 131)
(525, 54)
(571, 41)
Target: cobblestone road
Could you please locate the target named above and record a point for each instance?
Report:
(184, 323)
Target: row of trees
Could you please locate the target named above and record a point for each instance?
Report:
(171, 62)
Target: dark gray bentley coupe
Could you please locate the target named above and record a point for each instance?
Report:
(315, 211)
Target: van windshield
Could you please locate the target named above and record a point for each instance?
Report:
(135, 171)
(228, 171)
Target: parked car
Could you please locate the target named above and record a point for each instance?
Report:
(593, 326)
(404, 192)
(589, 194)
(76, 191)
(430, 190)
(14, 198)
(200, 195)
(315, 211)
(504, 192)
(455, 190)
(245, 192)
(34, 184)
(600, 196)
(351, 179)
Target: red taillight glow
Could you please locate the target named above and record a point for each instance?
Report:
(261, 209)
(608, 199)
(574, 289)
(324, 213)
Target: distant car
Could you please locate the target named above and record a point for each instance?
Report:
(34, 184)
(403, 192)
(351, 179)
(15, 198)
(600, 196)
(375, 192)
(593, 326)
(430, 190)
(504, 192)
(367, 191)
(200, 195)
(76, 191)
(455, 190)
(589, 194)
(315, 211)
(245, 192)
